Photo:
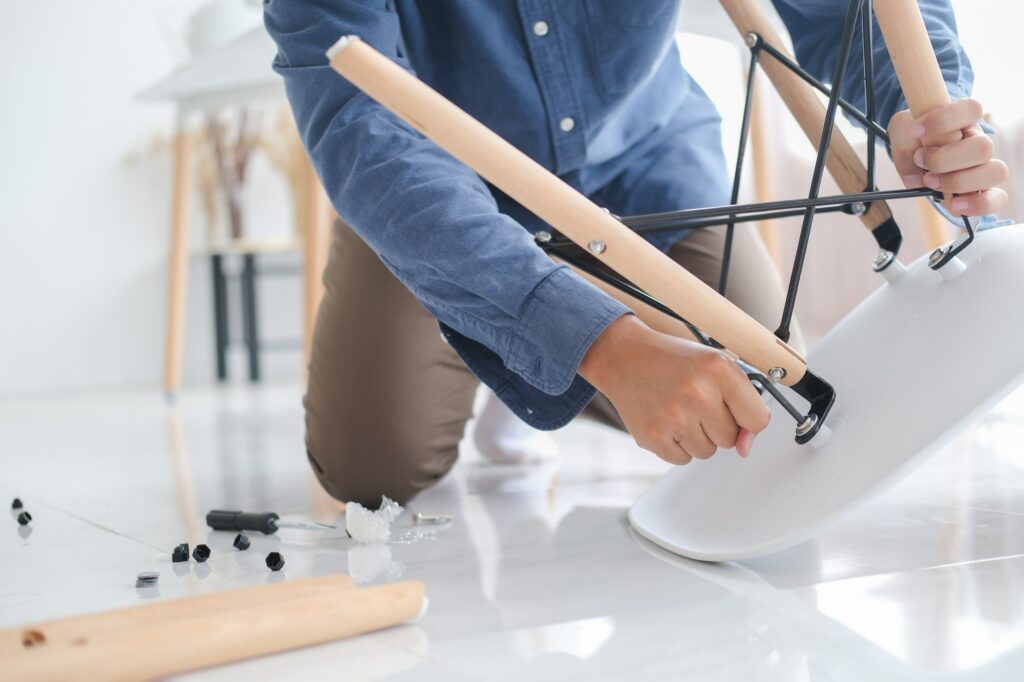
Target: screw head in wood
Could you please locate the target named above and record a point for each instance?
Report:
(597, 247)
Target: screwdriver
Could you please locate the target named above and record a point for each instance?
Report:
(265, 522)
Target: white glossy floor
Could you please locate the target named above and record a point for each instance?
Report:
(539, 577)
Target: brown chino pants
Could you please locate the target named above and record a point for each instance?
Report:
(388, 399)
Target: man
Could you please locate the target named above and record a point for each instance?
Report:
(594, 91)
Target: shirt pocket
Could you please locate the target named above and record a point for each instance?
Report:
(628, 39)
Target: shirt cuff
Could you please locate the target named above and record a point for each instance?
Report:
(559, 321)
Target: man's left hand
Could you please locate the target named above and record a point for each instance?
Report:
(964, 168)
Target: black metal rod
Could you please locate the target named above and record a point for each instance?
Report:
(629, 289)
(723, 278)
(867, 29)
(853, 111)
(819, 167)
(763, 381)
(731, 212)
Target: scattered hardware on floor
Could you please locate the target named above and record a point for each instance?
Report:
(241, 542)
(201, 553)
(430, 519)
(275, 562)
(147, 579)
(267, 523)
(180, 553)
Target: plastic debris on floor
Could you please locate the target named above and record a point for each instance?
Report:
(367, 526)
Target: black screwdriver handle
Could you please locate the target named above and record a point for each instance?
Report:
(266, 523)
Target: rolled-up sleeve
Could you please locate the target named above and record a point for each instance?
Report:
(430, 219)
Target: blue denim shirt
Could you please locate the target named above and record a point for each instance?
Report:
(593, 90)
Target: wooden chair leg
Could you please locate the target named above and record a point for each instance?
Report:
(763, 186)
(177, 284)
(317, 215)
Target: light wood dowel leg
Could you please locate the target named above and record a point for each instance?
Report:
(936, 229)
(317, 215)
(762, 171)
(177, 284)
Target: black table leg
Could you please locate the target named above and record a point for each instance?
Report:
(249, 312)
(220, 315)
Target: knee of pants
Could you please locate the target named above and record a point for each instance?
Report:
(360, 462)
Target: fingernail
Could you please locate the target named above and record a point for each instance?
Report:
(932, 180)
(916, 130)
(913, 181)
(960, 205)
(919, 158)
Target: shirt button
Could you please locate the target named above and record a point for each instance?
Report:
(540, 28)
(567, 124)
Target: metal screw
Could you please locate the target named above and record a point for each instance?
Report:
(430, 519)
(777, 373)
(883, 259)
(597, 247)
(543, 237)
(858, 208)
(804, 427)
(937, 255)
(751, 39)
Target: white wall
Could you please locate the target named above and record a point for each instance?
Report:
(83, 233)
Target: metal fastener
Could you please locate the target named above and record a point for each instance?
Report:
(883, 259)
(751, 39)
(777, 373)
(804, 427)
(147, 579)
(274, 561)
(937, 256)
(543, 236)
(201, 553)
(596, 247)
(858, 208)
(430, 519)
(241, 542)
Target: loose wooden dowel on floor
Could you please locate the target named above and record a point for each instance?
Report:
(165, 646)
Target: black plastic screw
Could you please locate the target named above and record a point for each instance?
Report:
(275, 562)
(241, 542)
(180, 553)
(23, 518)
(201, 553)
(17, 504)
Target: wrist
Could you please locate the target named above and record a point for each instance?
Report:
(604, 358)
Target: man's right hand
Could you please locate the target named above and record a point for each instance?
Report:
(679, 399)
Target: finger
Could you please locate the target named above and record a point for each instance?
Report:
(980, 203)
(966, 153)
(696, 443)
(981, 177)
(956, 116)
(745, 404)
(720, 426)
(744, 443)
(911, 174)
(678, 454)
